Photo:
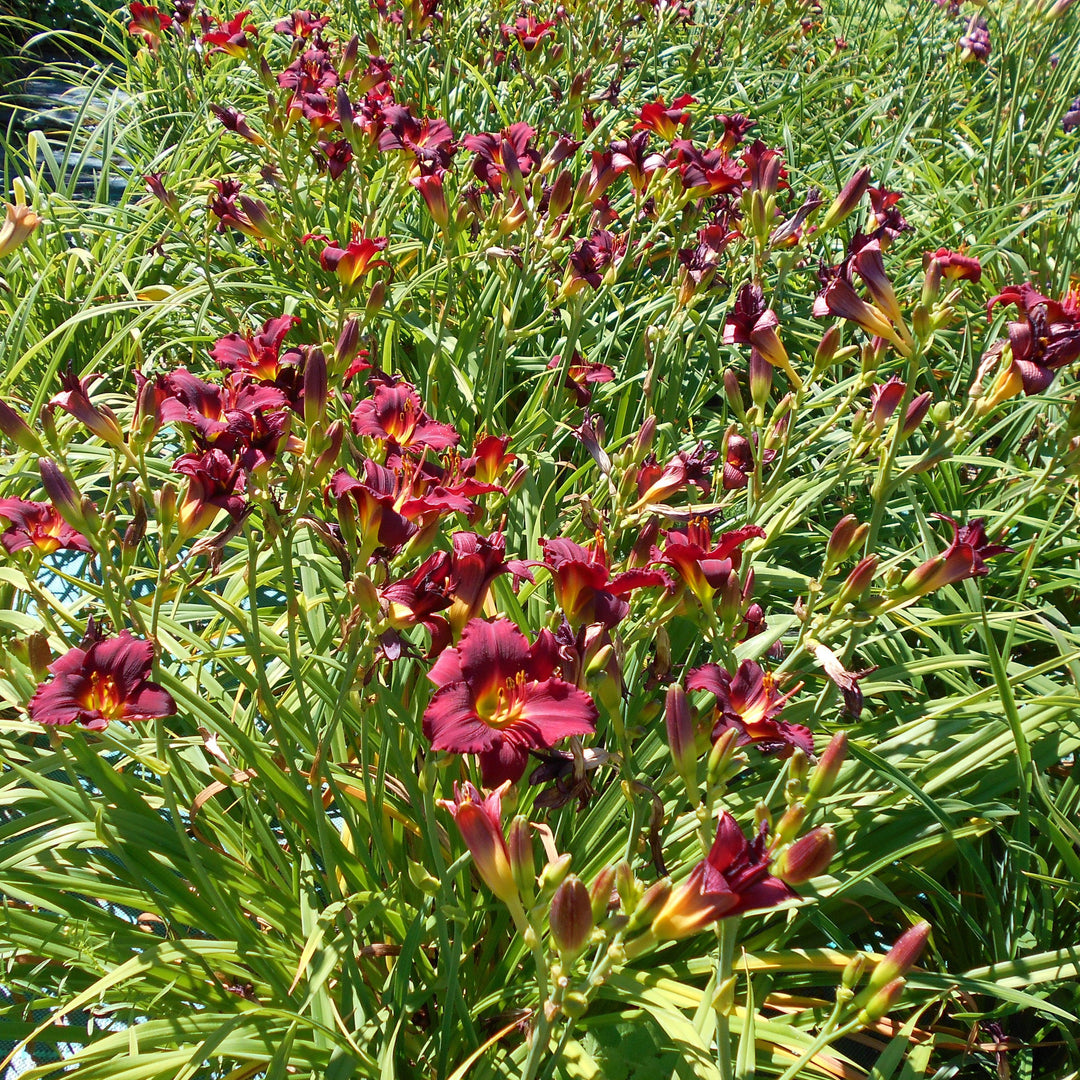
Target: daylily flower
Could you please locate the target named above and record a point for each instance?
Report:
(148, 23)
(751, 323)
(241, 212)
(168, 199)
(355, 260)
(765, 170)
(736, 126)
(707, 172)
(480, 821)
(489, 460)
(106, 681)
(231, 36)
(704, 567)
(430, 186)
(430, 141)
(699, 264)
(847, 681)
(38, 525)
(739, 461)
(631, 156)
(580, 374)
(665, 121)
(380, 522)
(414, 600)
(312, 78)
(99, 420)
(890, 222)
(592, 259)
(1047, 339)
(504, 153)
(476, 561)
(585, 590)
(334, 156)
(394, 413)
(975, 43)
(235, 121)
(214, 484)
(749, 702)
(528, 30)
(19, 222)
(733, 879)
(964, 558)
(257, 355)
(496, 696)
(301, 25)
(655, 484)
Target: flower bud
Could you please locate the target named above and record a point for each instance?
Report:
(827, 770)
(881, 1003)
(858, 581)
(808, 857)
(849, 198)
(561, 195)
(315, 387)
(348, 345)
(734, 394)
(901, 958)
(847, 535)
(825, 352)
(571, 916)
(916, 413)
(853, 972)
(721, 757)
(18, 431)
(628, 887)
(522, 859)
(600, 893)
(787, 828)
(651, 904)
(552, 875)
(761, 377)
(79, 513)
(680, 735)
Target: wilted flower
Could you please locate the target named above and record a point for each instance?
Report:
(497, 696)
(733, 879)
(580, 373)
(975, 43)
(106, 681)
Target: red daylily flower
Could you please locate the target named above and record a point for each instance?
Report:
(699, 263)
(665, 121)
(301, 25)
(353, 261)
(148, 23)
(528, 30)
(430, 141)
(707, 172)
(214, 484)
(235, 121)
(480, 821)
(584, 588)
(706, 568)
(734, 878)
(475, 563)
(580, 373)
(502, 154)
(231, 36)
(751, 323)
(107, 681)
(496, 696)
(687, 467)
(312, 78)
(100, 420)
(964, 558)
(591, 259)
(380, 522)
(632, 156)
(241, 212)
(749, 702)
(1047, 339)
(257, 355)
(489, 459)
(394, 413)
(414, 600)
(38, 525)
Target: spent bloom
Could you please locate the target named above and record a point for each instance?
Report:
(106, 681)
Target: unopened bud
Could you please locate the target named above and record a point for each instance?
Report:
(791, 821)
(761, 378)
(600, 893)
(853, 972)
(522, 858)
(858, 581)
(575, 1004)
(79, 513)
(628, 887)
(847, 535)
(881, 1003)
(571, 916)
(651, 904)
(734, 393)
(561, 195)
(849, 198)
(348, 345)
(680, 734)
(901, 958)
(826, 350)
(18, 431)
(644, 439)
(807, 857)
(721, 757)
(552, 875)
(916, 413)
(827, 770)
(315, 387)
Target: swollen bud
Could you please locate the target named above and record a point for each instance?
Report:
(721, 758)
(849, 198)
(848, 535)
(571, 916)
(901, 958)
(628, 887)
(522, 859)
(553, 873)
(315, 387)
(825, 353)
(824, 777)
(680, 735)
(18, 431)
(79, 513)
(808, 857)
(858, 581)
(853, 972)
(600, 893)
(881, 1003)
(734, 393)
(651, 904)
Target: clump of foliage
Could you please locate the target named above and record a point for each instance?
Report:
(543, 543)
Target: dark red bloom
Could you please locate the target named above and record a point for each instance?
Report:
(739, 462)
(38, 525)
(707, 172)
(231, 36)
(580, 374)
(235, 121)
(257, 355)
(592, 258)
(890, 222)
(734, 878)
(301, 24)
(241, 212)
(376, 498)
(706, 567)
(312, 78)
(489, 460)
(148, 23)
(414, 600)
(528, 30)
(954, 264)
(475, 563)
(632, 156)
(502, 154)
(214, 483)
(1047, 339)
(751, 322)
(964, 558)
(699, 263)
(665, 120)
(655, 484)
(765, 170)
(100, 420)
(394, 413)
(107, 681)
(353, 261)
(496, 696)
(430, 141)
(585, 590)
(749, 702)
